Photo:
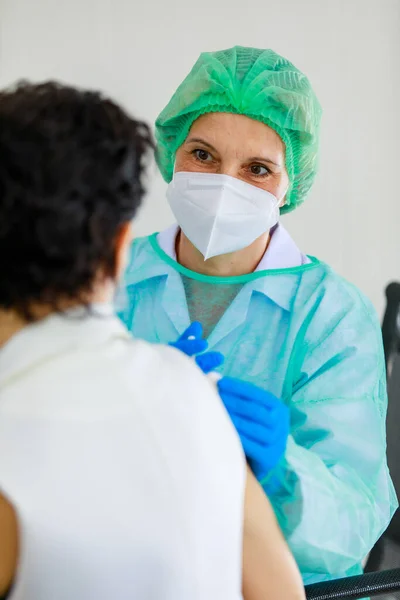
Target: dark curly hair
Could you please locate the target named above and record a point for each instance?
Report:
(72, 165)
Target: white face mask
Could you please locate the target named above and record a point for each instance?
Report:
(220, 214)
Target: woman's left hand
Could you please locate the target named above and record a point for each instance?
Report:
(261, 420)
(192, 343)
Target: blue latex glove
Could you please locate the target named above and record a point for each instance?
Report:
(191, 343)
(261, 420)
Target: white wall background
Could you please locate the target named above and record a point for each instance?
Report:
(139, 50)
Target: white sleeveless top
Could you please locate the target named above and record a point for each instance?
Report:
(127, 476)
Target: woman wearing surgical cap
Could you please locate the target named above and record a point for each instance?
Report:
(238, 145)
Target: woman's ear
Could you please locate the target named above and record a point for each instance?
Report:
(122, 244)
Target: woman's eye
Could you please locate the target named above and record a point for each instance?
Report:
(202, 155)
(259, 170)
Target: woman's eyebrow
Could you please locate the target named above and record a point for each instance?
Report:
(263, 159)
(195, 140)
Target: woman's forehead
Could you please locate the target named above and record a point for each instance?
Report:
(227, 131)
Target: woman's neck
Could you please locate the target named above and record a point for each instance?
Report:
(10, 324)
(236, 263)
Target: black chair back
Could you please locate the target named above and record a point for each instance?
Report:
(391, 340)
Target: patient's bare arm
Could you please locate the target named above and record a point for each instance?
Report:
(8, 545)
(269, 569)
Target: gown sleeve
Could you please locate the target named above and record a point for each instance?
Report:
(334, 496)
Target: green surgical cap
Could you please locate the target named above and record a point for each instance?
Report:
(259, 84)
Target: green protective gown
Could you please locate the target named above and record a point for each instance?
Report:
(313, 340)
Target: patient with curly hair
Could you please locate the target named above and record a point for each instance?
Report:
(109, 482)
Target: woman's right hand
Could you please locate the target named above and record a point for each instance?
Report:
(269, 569)
(261, 420)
